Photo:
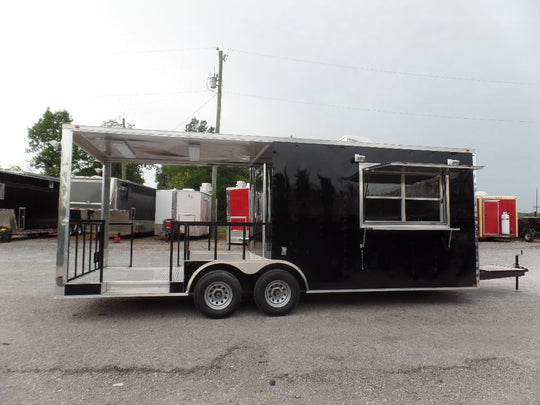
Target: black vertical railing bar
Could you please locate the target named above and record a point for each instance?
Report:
(229, 242)
(244, 241)
(209, 236)
(91, 242)
(101, 251)
(83, 255)
(215, 241)
(187, 235)
(92, 257)
(171, 254)
(131, 248)
(186, 239)
(76, 252)
(91, 251)
(177, 243)
(90, 246)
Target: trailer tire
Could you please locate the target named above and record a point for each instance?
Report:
(217, 294)
(276, 292)
(528, 235)
(5, 236)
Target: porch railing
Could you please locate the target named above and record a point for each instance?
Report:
(86, 249)
(252, 233)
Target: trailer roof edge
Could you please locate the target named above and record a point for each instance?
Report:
(162, 146)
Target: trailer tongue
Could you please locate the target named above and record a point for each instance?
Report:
(490, 272)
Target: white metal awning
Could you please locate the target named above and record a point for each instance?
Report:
(167, 147)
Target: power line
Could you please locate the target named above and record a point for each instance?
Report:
(164, 93)
(194, 112)
(174, 50)
(383, 111)
(385, 71)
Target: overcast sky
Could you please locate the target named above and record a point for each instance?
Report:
(456, 73)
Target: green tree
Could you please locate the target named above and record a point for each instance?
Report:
(179, 177)
(198, 126)
(12, 168)
(44, 143)
(134, 172)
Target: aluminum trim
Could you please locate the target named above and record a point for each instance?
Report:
(62, 252)
(389, 290)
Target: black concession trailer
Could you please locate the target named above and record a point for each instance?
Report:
(131, 206)
(28, 204)
(326, 216)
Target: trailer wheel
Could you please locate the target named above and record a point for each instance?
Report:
(217, 294)
(276, 293)
(528, 235)
(5, 235)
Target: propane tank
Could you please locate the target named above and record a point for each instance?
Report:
(505, 223)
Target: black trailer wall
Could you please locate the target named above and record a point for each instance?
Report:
(33, 198)
(316, 222)
(136, 195)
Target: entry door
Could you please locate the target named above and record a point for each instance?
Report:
(491, 223)
(22, 218)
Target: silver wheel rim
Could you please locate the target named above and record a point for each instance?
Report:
(218, 295)
(277, 293)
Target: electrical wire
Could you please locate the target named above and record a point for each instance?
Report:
(382, 111)
(384, 71)
(195, 112)
(162, 51)
(164, 93)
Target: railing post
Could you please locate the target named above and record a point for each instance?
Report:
(171, 253)
(244, 242)
(186, 237)
(178, 248)
(131, 247)
(215, 240)
(101, 249)
(76, 253)
(83, 255)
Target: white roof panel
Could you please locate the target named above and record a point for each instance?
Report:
(191, 148)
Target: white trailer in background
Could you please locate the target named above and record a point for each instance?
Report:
(183, 205)
(165, 209)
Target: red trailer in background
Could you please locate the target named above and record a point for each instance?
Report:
(497, 216)
(238, 210)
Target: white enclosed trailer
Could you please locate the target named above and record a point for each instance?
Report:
(183, 205)
(165, 209)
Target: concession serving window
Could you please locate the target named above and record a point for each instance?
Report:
(404, 196)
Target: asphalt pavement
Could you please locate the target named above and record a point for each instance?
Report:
(477, 346)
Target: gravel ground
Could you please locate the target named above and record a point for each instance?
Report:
(462, 347)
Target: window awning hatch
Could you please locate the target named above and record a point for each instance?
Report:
(398, 166)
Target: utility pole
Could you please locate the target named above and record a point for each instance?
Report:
(218, 124)
(219, 83)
